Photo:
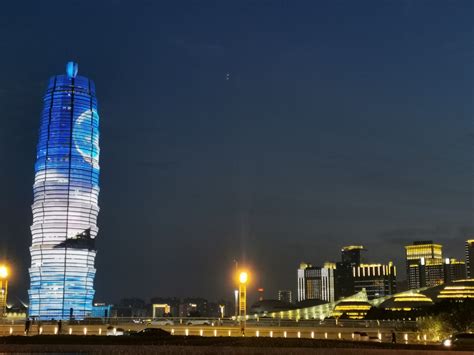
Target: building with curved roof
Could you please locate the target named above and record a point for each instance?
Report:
(407, 301)
(351, 309)
(457, 290)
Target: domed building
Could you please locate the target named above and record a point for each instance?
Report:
(457, 290)
(407, 301)
(351, 309)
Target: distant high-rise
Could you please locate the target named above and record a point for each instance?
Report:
(285, 296)
(377, 279)
(309, 281)
(470, 258)
(65, 208)
(454, 270)
(344, 280)
(351, 254)
(316, 283)
(424, 264)
(328, 282)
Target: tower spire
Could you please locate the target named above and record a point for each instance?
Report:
(71, 69)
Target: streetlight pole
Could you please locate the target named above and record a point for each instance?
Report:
(243, 278)
(3, 289)
(236, 292)
(236, 296)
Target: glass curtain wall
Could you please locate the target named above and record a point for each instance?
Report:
(65, 205)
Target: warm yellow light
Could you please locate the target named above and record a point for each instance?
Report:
(3, 272)
(243, 277)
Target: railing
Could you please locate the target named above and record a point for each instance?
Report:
(210, 321)
(224, 330)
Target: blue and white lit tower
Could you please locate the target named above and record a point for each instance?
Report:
(65, 208)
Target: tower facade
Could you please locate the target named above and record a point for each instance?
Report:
(470, 258)
(378, 280)
(316, 283)
(424, 262)
(65, 204)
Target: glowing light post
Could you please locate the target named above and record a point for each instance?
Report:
(3, 289)
(243, 278)
(236, 296)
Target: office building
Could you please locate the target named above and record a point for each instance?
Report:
(470, 258)
(424, 264)
(309, 282)
(316, 283)
(351, 254)
(328, 287)
(65, 208)
(378, 280)
(454, 270)
(285, 296)
(344, 281)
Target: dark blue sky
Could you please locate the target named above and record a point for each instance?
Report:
(268, 131)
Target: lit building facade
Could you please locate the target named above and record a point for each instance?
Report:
(454, 270)
(470, 258)
(458, 290)
(424, 260)
(285, 296)
(344, 281)
(432, 272)
(328, 291)
(309, 282)
(378, 280)
(65, 205)
(316, 283)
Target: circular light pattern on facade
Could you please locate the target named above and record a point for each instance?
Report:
(65, 205)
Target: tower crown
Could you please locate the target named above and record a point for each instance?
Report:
(72, 69)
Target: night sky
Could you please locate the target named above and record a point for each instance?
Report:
(265, 131)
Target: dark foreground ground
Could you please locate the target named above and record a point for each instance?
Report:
(204, 345)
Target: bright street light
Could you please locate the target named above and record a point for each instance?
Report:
(243, 277)
(3, 289)
(3, 272)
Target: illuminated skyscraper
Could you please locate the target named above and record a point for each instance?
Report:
(316, 283)
(470, 258)
(424, 262)
(65, 208)
(454, 270)
(378, 280)
(309, 281)
(344, 280)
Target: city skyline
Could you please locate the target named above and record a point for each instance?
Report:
(223, 141)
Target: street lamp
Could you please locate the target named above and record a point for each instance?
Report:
(3, 289)
(236, 304)
(243, 279)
